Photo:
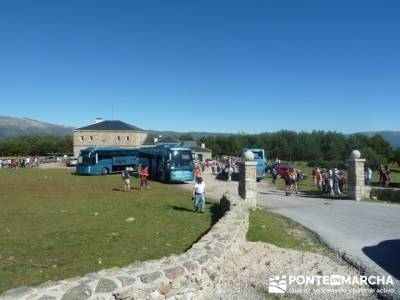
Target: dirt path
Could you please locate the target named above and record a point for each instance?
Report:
(247, 274)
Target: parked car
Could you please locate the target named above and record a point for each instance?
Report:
(71, 162)
(49, 159)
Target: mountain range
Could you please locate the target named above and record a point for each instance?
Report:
(13, 127)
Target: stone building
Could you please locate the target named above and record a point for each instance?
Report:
(200, 153)
(108, 134)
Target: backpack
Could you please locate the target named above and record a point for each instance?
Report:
(125, 175)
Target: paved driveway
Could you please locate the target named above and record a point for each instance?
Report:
(367, 234)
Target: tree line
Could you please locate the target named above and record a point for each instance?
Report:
(318, 148)
(36, 145)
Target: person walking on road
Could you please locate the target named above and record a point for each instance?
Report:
(288, 184)
(199, 190)
(274, 173)
(230, 172)
(198, 171)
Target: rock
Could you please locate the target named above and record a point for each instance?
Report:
(125, 281)
(149, 277)
(130, 220)
(137, 265)
(173, 273)
(156, 296)
(191, 266)
(48, 284)
(248, 155)
(79, 292)
(355, 154)
(203, 259)
(105, 286)
(16, 293)
(46, 297)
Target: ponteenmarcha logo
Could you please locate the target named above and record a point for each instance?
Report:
(277, 285)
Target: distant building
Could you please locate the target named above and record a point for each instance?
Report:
(167, 140)
(116, 133)
(200, 153)
(108, 133)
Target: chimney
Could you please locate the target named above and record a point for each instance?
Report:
(99, 120)
(203, 145)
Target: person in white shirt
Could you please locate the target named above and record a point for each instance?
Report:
(368, 176)
(199, 190)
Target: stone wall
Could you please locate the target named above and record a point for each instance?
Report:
(387, 194)
(91, 138)
(190, 275)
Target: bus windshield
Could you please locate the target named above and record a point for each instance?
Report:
(181, 158)
(84, 158)
(258, 154)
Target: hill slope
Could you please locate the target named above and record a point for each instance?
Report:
(393, 137)
(13, 127)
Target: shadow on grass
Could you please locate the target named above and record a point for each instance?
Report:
(215, 209)
(122, 190)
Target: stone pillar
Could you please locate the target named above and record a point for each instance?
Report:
(247, 179)
(356, 177)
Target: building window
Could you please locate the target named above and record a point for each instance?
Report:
(118, 138)
(91, 138)
(127, 138)
(82, 138)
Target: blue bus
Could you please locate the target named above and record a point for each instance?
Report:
(260, 158)
(168, 163)
(107, 160)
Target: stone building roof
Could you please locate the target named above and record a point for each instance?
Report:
(114, 125)
(199, 149)
(168, 140)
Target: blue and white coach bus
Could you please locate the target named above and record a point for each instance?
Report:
(107, 160)
(168, 163)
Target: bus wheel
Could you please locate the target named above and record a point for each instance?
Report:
(104, 171)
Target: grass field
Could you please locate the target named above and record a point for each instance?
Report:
(55, 225)
(274, 229)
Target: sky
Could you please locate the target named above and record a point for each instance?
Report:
(218, 66)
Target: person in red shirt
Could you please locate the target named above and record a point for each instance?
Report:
(144, 174)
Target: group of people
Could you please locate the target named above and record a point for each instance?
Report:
(329, 181)
(228, 166)
(384, 176)
(143, 173)
(19, 163)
